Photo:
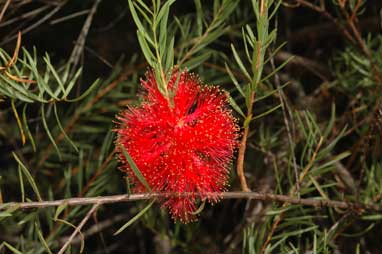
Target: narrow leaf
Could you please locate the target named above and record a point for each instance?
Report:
(135, 218)
(135, 169)
(72, 83)
(59, 210)
(11, 248)
(266, 112)
(16, 114)
(137, 20)
(62, 129)
(41, 238)
(234, 80)
(197, 60)
(234, 105)
(240, 63)
(30, 136)
(28, 176)
(21, 180)
(86, 93)
(277, 69)
(146, 49)
(55, 74)
(48, 131)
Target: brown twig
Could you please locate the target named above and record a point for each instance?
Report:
(319, 203)
(313, 66)
(36, 24)
(4, 9)
(89, 183)
(326, 14)
(25, 15)
(79, 227)
(70, 16)
(79, 46)
(96, 228)
(243, 147)
(316, 33)
(248, 118)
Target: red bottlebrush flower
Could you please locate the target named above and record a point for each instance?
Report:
(180, 147)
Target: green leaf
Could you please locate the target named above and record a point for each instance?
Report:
(44, 123)
(197, 60)
(163, 13)
(86, 93)
(22, 190)
(135, 169)
(27, 130)
(336, 158)
(8, 212)
(22, 93)
(234, 105)
(55, 74)
(42, 83)
(146, 49)
(251, 35)
(259, 98)
(62, 129)
(138, 21)
(72, 83)
(278, 211)
(297, 232)
(18, 121)
(275, 9)
(274, 52)
(28, 176)
(245, 39)
(199, 17)
(372, 217)
(59, 210)
(5, 214)
(209, 38)
(66, 223)
(240, 63)
(169, 61)
(277, 69)
(144, 6)
(135, 218)
(143, 12)
(266, 112)
(41, 238)
(361, 233)
(11, 248)
(332, 120)
(234, 80)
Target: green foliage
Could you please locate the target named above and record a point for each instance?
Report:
(51, 85)
(307, 139)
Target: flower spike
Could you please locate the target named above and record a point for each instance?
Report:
(186, 147)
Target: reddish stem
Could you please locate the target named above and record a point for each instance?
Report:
(243, 147)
